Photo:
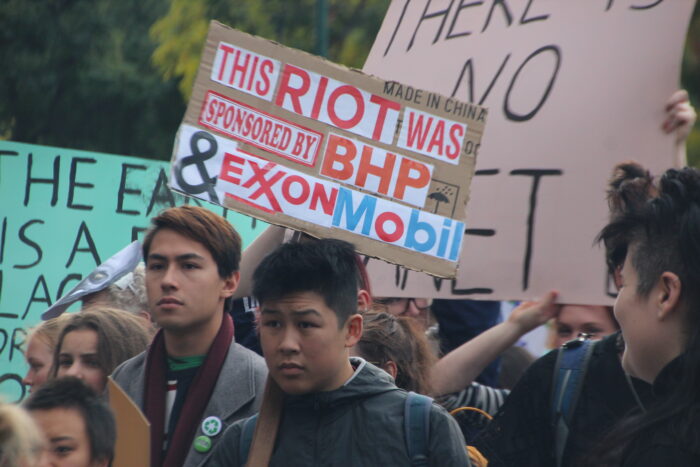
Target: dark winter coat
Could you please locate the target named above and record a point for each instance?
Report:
(359, 424)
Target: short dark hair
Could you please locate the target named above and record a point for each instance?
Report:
(214, 232)
(327, 267)
(72, 393)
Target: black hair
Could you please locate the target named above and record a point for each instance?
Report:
(663, 234)
(72, 393)
(630, 185)
(327, 267)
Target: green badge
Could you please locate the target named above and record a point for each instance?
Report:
(211, 426)
(202, 443)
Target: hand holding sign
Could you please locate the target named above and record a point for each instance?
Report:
(563, 112)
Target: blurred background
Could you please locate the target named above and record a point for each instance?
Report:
(115, 76)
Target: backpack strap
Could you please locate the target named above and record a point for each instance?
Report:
(569, 374)
(247, 432)
(417, 427)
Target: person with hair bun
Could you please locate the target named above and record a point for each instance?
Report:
(523, 433)
(658, 308)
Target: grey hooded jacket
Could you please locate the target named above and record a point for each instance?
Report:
(359, 424)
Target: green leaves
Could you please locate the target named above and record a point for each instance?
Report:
(79, 75)
(181, 33)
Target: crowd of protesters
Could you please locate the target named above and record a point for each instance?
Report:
(311, 369)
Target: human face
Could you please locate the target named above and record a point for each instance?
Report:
(183, 285)
(78, 357)
(66, 434)
(39, 357)
(637, 318)
(575, 319)
(304, 348)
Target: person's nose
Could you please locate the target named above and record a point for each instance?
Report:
(289, 343)
(169, 280)
(28, 379)
(76, 369)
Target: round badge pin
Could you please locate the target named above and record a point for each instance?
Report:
(202, 444)
(211, 426)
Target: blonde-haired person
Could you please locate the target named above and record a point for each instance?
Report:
(128, 294)
(21, 442)
(94, 342)
(38, 353)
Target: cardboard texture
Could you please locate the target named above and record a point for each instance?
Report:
(298, 141)
(572, 89)
(133, 447)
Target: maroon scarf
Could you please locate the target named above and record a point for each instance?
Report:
(198, 395)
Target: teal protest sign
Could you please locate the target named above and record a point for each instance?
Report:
(63, 212)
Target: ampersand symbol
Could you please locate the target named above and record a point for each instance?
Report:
(198, 158)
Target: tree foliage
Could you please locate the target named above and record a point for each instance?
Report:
(352, 25)
(77, 73)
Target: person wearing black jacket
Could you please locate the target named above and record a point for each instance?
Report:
(522, 435)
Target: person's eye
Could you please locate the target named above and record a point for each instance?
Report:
(272, 323)
(307, 325)
(563, 331)
(155, 266)
(63, 450)
(91, 362)
(65, 362)
(190, 266)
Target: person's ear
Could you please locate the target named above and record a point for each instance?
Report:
(391, 368)
(230, 284)
(668, 294)
(364, 301)
(353, 331)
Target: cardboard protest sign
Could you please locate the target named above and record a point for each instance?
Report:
(298, 141)
(133, 445)
(63, 213)
(572, 88)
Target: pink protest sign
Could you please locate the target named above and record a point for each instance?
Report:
(572, 89)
